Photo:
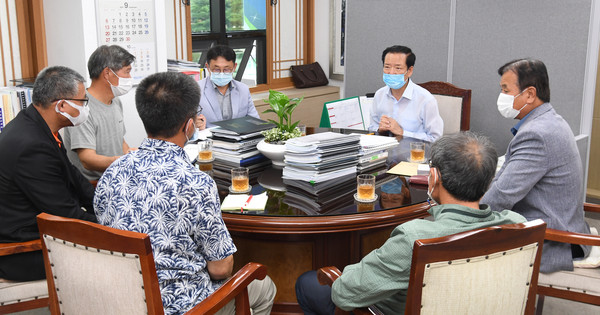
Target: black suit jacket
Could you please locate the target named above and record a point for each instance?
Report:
(36, 176)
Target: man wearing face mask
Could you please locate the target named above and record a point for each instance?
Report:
(35, 173)
(177, 207)
(223, 97)
(462, 166)
(98, 142)
(542, 175)
(403, 108)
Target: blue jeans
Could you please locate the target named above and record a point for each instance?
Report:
(313, 297)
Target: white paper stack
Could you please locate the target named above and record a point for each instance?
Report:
(374, 151)
(320, 157)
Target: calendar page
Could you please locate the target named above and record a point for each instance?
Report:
(131, 25)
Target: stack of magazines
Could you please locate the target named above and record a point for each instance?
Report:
(321, 157)
(234, 145)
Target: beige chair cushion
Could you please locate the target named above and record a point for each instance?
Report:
(117, 277)
(17, 291)
(496, 285)
(450, 108)
(579, 280)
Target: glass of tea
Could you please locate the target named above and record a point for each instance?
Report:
(239, 179)
(365, 187)
(417, 152)
(205, 150)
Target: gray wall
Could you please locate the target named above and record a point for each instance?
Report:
(487, 35)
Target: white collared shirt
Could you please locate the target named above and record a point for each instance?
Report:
(416, 112)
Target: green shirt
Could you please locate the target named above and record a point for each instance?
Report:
(382, 276)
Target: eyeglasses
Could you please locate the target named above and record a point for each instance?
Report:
(430, 164)
(199, 111)
(226, 71)
(84, 101)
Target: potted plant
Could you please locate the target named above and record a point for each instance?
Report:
(273, 146)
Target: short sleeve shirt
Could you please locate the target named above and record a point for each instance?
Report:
(103, 131)
(157, 191)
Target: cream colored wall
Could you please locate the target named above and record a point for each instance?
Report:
(593, 184)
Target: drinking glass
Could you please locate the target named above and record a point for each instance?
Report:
(365, 187)
(239, 179)
(417, 152)
(205, 150)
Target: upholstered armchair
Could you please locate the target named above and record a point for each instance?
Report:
(94, 269)
(486, 271)
(16, 296)
(581, 284)
(454, 105)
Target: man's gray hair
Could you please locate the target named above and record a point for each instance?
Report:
(55, 83)
(467, 164)
(114, 57)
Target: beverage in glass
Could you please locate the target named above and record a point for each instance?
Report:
(417, 152)
(365, 187)
(302, 129)
(239, 179)
(205, 150)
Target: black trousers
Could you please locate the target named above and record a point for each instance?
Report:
(23, 266)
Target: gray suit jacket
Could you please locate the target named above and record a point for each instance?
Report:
(542, 178)
(241, 101)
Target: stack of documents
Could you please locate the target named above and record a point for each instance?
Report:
(321, 157)
(234, 145)
(322, 197)
(374, 151)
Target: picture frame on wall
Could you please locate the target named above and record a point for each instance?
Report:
(338, 38)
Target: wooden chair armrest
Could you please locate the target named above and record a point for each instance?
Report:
(572, 237)
(591, 207)
(230, 289)
(327, 275)
(21, 247)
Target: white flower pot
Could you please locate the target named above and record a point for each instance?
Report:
(272, 151)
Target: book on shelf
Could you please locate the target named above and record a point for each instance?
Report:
(242, 126)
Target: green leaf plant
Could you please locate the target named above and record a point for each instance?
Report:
(282, 106)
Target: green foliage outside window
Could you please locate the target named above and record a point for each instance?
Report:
(200, 15)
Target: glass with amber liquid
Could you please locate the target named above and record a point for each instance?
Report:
(365, 187)
(205, 150)
(417, 152)
(239, 179)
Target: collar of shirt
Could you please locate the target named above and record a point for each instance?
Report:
(163, 147)
(516, 127)
(408, 92)
(57, 140)
(461, 213)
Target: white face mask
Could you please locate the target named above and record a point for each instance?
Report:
(186, 130)
(429, 193)
(505, 105)
(84, 111)
(124, 85)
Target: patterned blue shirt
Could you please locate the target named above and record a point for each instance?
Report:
(157, 191)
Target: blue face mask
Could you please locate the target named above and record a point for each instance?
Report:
(221, 79)
(394, 81)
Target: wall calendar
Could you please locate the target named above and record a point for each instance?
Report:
(131, 25)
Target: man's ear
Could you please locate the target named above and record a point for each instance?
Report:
(531, 94)
(409, 72)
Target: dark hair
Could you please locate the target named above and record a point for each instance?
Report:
(220, 51)
(530, 72)
(114, 57)
(467, 164)
(165, 101)
(397, 49)
(55, 83)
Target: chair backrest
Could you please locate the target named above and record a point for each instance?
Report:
(488, 271)
(94, 269)
(454, 105)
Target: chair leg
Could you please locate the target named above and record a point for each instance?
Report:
(540, 305)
